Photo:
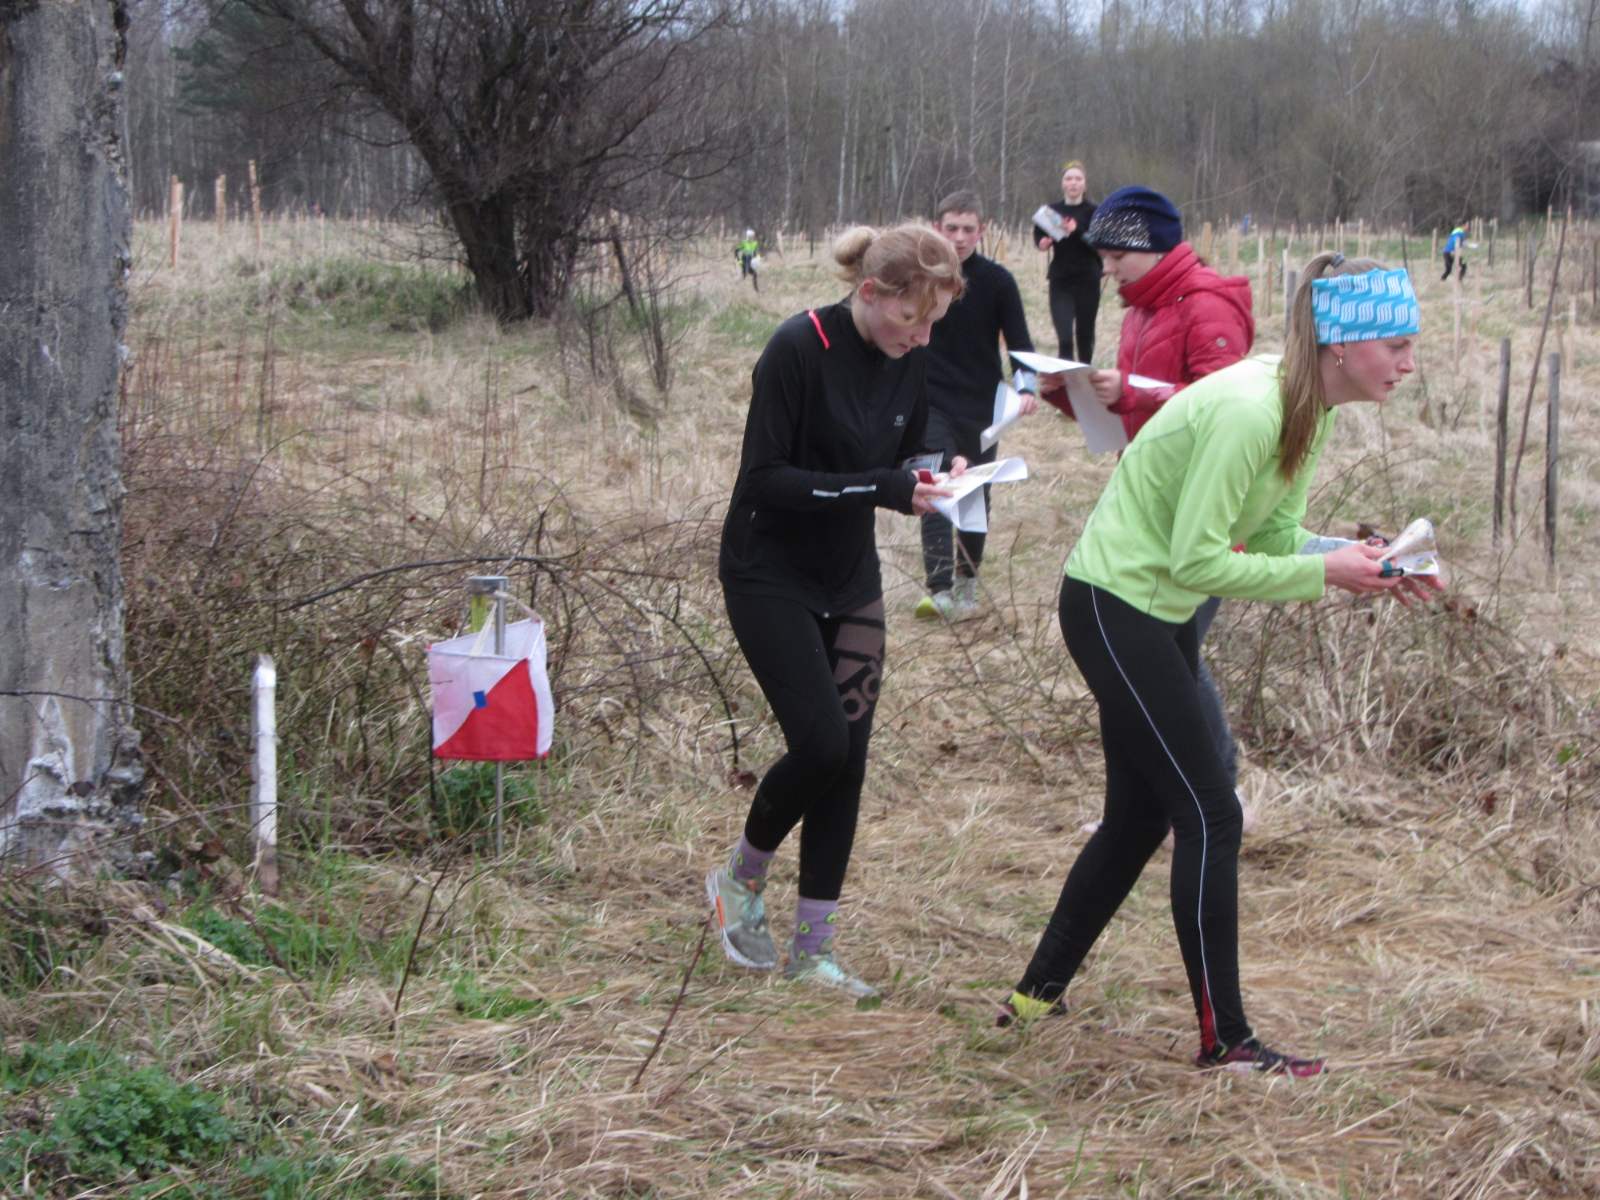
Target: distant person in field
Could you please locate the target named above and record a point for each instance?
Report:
(748, 252)
(838, 404)
(1183, 321)
(1228, 459)
(1455, 246)
(964, 367)
(1074, 271)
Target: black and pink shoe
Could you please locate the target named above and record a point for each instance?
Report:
(1251, 1055)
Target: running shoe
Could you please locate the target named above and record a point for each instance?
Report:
(964, 597)
(939, 604)
(823, 969)
(1023, 1010)
(1251, 1055)
(741, 917)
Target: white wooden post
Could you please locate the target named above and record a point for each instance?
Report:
(264, 786)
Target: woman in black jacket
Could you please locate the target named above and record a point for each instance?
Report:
(1075, 268)
(839, 403)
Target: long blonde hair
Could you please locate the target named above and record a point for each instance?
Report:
(908, 260)
(1303, 398)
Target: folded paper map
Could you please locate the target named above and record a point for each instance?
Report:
(964, 506)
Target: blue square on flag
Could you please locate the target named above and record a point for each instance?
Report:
(480, 700)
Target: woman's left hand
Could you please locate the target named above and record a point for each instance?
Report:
(958, 466)
(923, 496)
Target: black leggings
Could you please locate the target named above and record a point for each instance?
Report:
(939, 557)
(1074, 304)
(1162, 769)
(820, 675)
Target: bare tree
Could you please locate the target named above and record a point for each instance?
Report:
(69, 765)
(531, 115)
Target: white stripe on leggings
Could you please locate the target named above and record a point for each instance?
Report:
(1199, 907)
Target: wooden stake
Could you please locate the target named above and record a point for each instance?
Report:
(175, 218)
(255, 205)
(222, 202)
(1207, 242)
(1261, 272)
(1501, 433)
(1291, 280)
(1552, 457)
(1455, 300)
(1533, 252)
(1533, 378)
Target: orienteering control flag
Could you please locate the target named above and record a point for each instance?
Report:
(492, 707)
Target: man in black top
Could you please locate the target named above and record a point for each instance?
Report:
(1075, 267)
(964, 366)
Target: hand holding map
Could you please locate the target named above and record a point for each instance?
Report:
(964, 507)
(1102, 428)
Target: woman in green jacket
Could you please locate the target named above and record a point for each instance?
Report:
(1227, 461)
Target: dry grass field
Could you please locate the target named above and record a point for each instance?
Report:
(1420, 896)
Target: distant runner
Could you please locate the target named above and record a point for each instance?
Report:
(748, 252)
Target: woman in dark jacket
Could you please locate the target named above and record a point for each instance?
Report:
(1074, 273)
(839, 402)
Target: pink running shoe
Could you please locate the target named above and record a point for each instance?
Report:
(1251, 1055)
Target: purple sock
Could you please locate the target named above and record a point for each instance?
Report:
(747, 863)
(815, 923)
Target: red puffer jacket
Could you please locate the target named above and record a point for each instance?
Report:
(1183, 322)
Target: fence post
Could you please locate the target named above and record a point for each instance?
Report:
(264, 782)
(486, 601)
(255, 205)
(1552, 458)
(1291, 280)
(175, 217)
(1501, 434)
(222, 202)
(1533, 250)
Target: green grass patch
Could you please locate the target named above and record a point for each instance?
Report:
(39, 933)
(326, 1176)
(462, 800)
(473, 999)
(119, 1124)
(743, 325)
(359, 291)
(274, 936)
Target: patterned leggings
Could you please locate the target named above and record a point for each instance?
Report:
(820, 675)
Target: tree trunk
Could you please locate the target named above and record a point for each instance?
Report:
(488, 240)
(70, 775)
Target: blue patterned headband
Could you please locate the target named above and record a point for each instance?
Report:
(1363, 308)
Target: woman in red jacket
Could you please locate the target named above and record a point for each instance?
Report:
(1183, 322)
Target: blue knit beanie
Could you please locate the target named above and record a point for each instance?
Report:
(1135, 218)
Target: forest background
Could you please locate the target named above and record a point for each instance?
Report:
(1418, 112)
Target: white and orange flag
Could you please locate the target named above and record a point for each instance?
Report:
(491, 707)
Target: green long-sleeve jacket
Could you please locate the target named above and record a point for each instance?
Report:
(1200, 478)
